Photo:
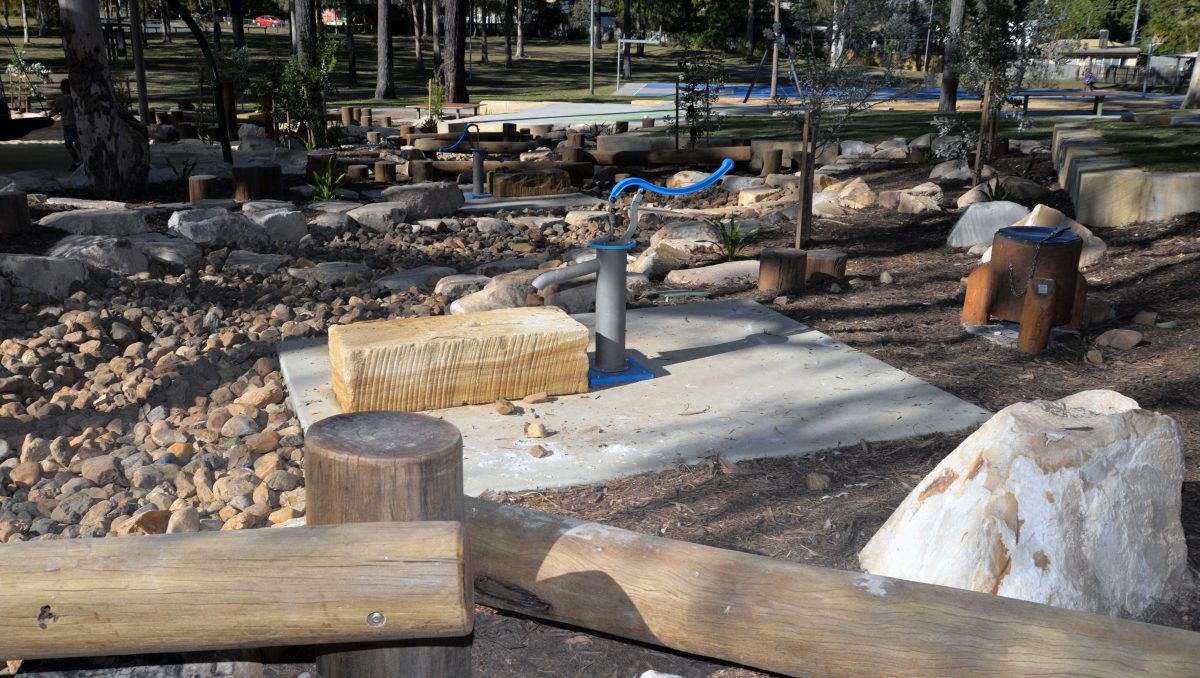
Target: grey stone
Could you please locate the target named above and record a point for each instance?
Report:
(717, 275)
(979, 223)
(333, 272)
(420, 276)
(49, 276)
(951, 171)
(96, 222)
(490, 225)
(175, 252)
(508, 290)
(110, 253)
(341, 206)
(282, 225)
(252, 262)
(382, 217)
(266, 206)
(854, 147)
(455, 286)
(216, 227)
(427, 200)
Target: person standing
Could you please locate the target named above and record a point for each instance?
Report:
(64, 106)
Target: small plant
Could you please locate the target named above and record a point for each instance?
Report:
(995, 191)
(733, 240)
(1027, 173)
(701, 76)
(182, 172)
(30, 73)
(327, 182)
(436, 100)
(960, 135)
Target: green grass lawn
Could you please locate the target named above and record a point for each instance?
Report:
(1157, 148)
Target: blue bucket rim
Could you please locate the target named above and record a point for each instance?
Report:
(1038, 234)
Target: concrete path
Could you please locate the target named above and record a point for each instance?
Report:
(733, 378)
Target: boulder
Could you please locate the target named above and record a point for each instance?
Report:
(662, 258)
(979, 223)
(736, 184)
(923, 141)
(856, 194)
(757, 194)
(1016, 189)
(282, 225)
(1073, 503)
(428, 200)
(1120, 339)
(686, 178)
(455, 286)
(717, 275)
(216, 227)
(853, 147)
(490, 225)
(585, 219)
(916, 203)
(573, 296)
(252, 262)
(827, 204)
(162, 134)
(168, 251)
(49, 276)
(96, 222)
(335, 206)
(333, 272)
(690, 236)
(891, 154)
(952, 171)
(266, 206)
(421, 276)
(529, 183)
(928, 190)
(507, 290)
(382, 216)
(1093, 247)
(105, 252)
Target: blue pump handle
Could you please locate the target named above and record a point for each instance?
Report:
(460, 139)
(704, 183)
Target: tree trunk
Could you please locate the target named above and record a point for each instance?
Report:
(216, 19)
(641, 30)
(1192, 99)
(7, 26)
(508, 33)
(627, 33)
(418, 50)
(435, 29)
(948, 101)
(237, 22)
(165, 12)
(456, 44)
(520, 29)
(294, 26)
(483, 45)
(306, 33)
(43, 29)
(751, 11)
(351, 57)
(24, 21)
(115, 149)
(384, 87)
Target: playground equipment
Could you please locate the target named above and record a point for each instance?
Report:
(1033, 279)
(611, 364)
(478, 155)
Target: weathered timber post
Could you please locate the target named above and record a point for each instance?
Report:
(318, 162)
(257, 181)
(14, 213)
(386, 466)
(782, 268)
(772, 160)
(385, 171)
(201, 187)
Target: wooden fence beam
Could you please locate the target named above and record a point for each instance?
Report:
(225, 590)
(793, 619)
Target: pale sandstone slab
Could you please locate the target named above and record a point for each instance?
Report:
(413, 364)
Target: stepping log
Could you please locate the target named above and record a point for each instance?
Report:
(256, 182)
(318, 162)
(14, 213)
(357, 172)
(373, 138)
(826, 265)
(385, 171)
(201, 187)
(411, 364)
(347, 116)
(782, 268)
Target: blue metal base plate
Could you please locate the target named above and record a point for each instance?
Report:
(634, 371)
(476, 196)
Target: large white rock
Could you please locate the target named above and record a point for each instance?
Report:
(421, 276)
(217, 227)
(717, 275)
(285, 224)
(661, 258)
(253, 262)
(951, 171)
(854, 147)
(1015, 188)
(1073, 503)
(1093, 247)
(428, 200)
(692, 236)
(106, 252)
(507, 290)
(174, 252)
(96, 222)
(382, 216)
(49, 276)
(979, 223)
(827, 204)
(455, 286)
(856, 194)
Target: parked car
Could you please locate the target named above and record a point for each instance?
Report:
(268, 21)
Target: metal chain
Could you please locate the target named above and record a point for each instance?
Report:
(1037, 252)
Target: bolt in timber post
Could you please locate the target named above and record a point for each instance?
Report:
(477, 156)
(387, 466)
(610, 309)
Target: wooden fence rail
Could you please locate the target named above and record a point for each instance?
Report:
(225, 590)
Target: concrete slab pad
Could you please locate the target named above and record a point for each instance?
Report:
(732, 378)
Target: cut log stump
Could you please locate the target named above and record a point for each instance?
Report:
(782, 268)
(14, 213)
(201, 187)
(826, 265)
(257, 181)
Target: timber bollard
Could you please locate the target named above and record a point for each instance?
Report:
(347, 116)
(257, 181)
(385, 171)
(357, 172)
(772, 160)
(318, 162)
(620, 127)
(373, 138)
(201, 187)
(14, 213)
(782, 268)
(387, 466)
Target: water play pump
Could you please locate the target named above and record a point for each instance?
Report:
(477, 157)
(611, 365)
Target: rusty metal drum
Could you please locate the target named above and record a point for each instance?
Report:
(1021, 253)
